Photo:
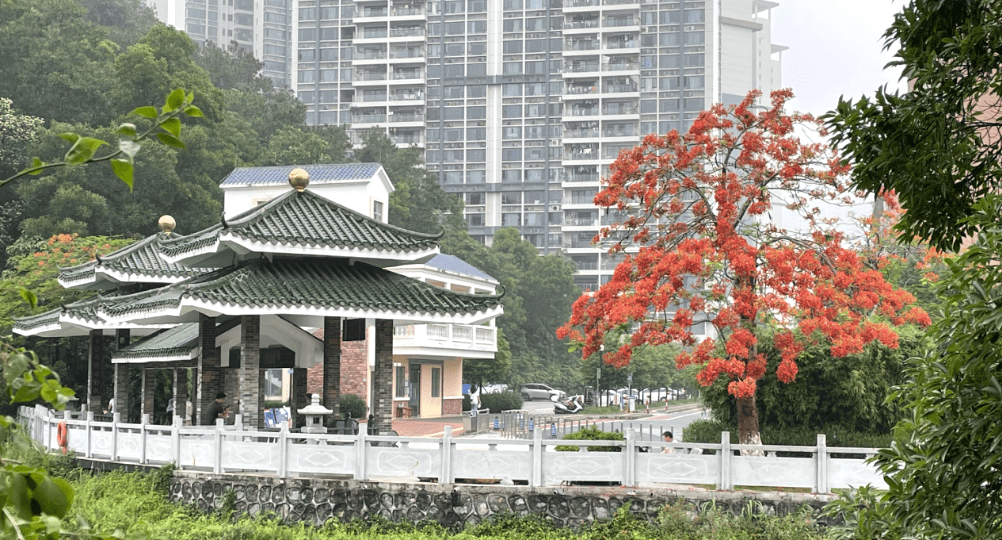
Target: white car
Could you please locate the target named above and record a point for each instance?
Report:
(540, 391)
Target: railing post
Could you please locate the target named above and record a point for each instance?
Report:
(360, 449)
(175, 440)
(630, 468)
(725, 462)
(238, 422)
(217, 459)
(445, 477)
(283, 450)
(537, 459)
(143, 421)
(86, 427)
(115, 419)
(821, 481)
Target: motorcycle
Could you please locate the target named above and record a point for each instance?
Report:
(571, 405)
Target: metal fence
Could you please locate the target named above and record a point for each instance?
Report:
(520, 424)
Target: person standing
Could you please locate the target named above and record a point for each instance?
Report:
(215, 410)
(474, 399)
(668, 438)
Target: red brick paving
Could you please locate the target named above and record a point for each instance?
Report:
(427, 427)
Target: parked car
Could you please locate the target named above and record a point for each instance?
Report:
(540, 391)
(495, 388)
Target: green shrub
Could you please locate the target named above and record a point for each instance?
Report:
(592, 434)
(708, 431)
(353, 405)
(467, 404)
(501, 401)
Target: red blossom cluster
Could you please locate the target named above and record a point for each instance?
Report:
(705, 251)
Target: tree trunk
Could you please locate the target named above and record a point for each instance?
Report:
(748, 424)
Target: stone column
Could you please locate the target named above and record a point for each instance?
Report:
(122, 390)
(180, 392)
(210, 380)
(332, 365)
(148, 387)
(299, 398)
(382, 378)
(95, 375)
(250, 370)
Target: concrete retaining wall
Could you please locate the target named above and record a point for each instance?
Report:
(453, 505)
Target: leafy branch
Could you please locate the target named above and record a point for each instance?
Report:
(166, 129)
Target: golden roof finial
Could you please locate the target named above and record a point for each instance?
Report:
(166, 224)
(299, 179)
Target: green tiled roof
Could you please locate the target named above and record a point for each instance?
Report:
(292, 286)
(304, 220)
(173, 342)
(140, 261)
(178, 341)
(49, 318)
(82, 313)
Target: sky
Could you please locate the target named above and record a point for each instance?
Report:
(836, 48)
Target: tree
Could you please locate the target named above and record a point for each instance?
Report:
(938, 145)
(16, 133)
(125, 20)
(703, 249)
(492, 370)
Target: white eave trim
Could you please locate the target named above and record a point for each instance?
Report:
(215, 308)
(299, 249)
(155, 359)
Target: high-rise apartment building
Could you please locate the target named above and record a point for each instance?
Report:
(520, 105)
(259, 27)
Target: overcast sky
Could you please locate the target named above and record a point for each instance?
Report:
(835, 49)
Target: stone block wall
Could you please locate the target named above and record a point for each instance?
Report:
(454, 505)
(354, 370)
(452, 407)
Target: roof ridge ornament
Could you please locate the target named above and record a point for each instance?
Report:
(299, 179)
(222, 217)
(166, 224)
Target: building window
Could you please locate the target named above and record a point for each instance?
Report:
(401, 383)
(436, 382)
(377, 210)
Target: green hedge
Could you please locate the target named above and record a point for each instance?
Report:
(354, 405)
(708, 431)
(591, 434)
(501, 401)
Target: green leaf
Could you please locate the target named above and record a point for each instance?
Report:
(54, 496)
(29, 297)
(174, 101)
(83, 150)
(193, 111)
(148, 112)
(123, 170)
(170, 140)
(172, 126)
(71, 138)
(127, 129)
(129, 148)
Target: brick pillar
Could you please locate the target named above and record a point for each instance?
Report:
(94, 372)
(122, 390)
(300, 397)
(382, 378)
(250, 370)
(210, 380)
(193, 395)
(148, 386)
(180, 392)
(332, 365)
(231, 387)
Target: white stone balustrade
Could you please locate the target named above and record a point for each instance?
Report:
(365, 457)
(448, 336)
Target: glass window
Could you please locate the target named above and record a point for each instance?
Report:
(400, 386)
(436, 382)
(511, 197)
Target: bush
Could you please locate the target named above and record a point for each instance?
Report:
(353, 405)
(592, 434)
(467, 404)
(501, 401)
(708, 431)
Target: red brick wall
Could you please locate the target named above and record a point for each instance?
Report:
(354, 369)
(452, 407)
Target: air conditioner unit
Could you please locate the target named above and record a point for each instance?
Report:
(554, 208)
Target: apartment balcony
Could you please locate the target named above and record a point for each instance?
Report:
(459, 339)
(621, 66)
(407, 140)
(631, 132)
(369, 35)
(582, 46)
(410, 97)
(584, 111)
(401, 76)
(410, 32)
(620, 109)
(410, 54)
(620, 89)
(620, 2)
(581, 178)
(619, 22)
(582, 67)
(580, 133)
(402, 11)
(368, 119)
(371, 14)
(584, 26)
(622, 44)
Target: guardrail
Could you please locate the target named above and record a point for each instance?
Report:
(533, 462)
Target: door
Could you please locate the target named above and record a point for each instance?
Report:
(415, 390)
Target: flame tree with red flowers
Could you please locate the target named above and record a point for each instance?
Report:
(700, 246)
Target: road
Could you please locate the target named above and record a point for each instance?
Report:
(646, 428)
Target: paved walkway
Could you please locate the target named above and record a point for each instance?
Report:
(434, 427)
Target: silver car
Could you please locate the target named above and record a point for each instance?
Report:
(540, 391)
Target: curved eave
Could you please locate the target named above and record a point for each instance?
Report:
(167, 356)
(189, 310)
(113, 278)
(220, 253)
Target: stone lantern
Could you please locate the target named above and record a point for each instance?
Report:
(314, 413)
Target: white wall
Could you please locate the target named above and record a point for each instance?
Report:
(356, 195)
